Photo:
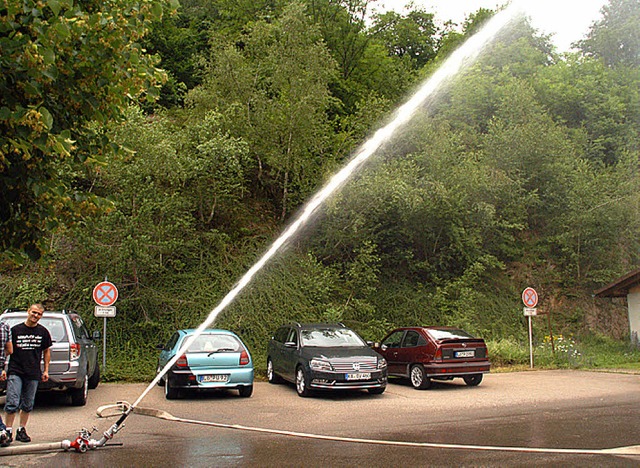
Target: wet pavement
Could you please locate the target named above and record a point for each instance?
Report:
(523, 410)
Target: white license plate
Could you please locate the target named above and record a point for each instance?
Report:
(465, 353)
(214, 378)
(359, 376)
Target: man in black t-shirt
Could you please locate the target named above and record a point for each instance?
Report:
(31, 343)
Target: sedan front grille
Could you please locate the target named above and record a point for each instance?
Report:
(363, 363)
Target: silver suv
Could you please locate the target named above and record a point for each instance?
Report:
(74, 366)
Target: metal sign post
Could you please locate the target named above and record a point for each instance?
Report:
(530, 344)
(528, 312)
(104, 312)
(105, 295)
(104, 344)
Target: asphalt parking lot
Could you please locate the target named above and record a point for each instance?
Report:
(555, 409)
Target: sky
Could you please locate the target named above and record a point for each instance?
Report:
(567, 20)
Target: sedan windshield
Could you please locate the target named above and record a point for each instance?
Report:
(331, 337)
(448, 334)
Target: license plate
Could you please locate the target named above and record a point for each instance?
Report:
(359, 376)
(465, 353)
(214, 378)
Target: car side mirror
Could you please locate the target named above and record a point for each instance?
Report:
(290, 344)
(384, 347)
(96, 335)
(160, 346)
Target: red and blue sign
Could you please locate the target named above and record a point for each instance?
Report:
(105, 294)
(530, 297)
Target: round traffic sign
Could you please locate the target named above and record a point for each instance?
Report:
(105, 294)
(530, 297)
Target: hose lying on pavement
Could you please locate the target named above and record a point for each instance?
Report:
(621, 451)
(125, 409)
(33, 448)
(28, 448)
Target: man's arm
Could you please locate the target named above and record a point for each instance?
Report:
(46, 356)
(8, 349)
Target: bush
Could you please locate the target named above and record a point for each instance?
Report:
(507, 352)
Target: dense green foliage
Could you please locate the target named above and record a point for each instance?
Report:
(65, 69)
(522, 172)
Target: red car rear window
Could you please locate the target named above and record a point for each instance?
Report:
(448, 334)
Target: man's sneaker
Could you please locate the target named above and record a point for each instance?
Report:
(21, 435)
(4, 439)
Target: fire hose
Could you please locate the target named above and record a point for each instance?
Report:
(84, 442)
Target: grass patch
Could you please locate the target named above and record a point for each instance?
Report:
(565, 352)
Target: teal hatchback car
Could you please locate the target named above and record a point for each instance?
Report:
(217, 359)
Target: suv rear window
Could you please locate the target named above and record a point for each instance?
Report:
(55, 326)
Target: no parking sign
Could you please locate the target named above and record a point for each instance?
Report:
(105, 294)
(530, 297)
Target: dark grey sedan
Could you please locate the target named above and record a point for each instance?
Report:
(324, 357)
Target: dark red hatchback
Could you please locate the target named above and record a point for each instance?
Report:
(422, 354)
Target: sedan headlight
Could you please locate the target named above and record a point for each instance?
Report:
(382, 363)
(320, 365)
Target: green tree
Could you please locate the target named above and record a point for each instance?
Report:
(364, 63)
(525, 144)
(274, 93)
(597, 236)
(601, 104)
(342, 24)
(614, 38)
(65, 69)
(175, 198)
(451, 38)
(412, 36)
(430, 214)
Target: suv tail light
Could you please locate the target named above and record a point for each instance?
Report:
(182, 361)
(244, 358)
(74, 350)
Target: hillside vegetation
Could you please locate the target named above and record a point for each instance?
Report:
(223, 118)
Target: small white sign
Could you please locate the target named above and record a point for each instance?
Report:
(105, 312)
(530, 311)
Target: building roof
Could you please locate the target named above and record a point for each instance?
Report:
(621, 286)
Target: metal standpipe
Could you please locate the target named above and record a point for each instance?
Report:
(82, 442)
